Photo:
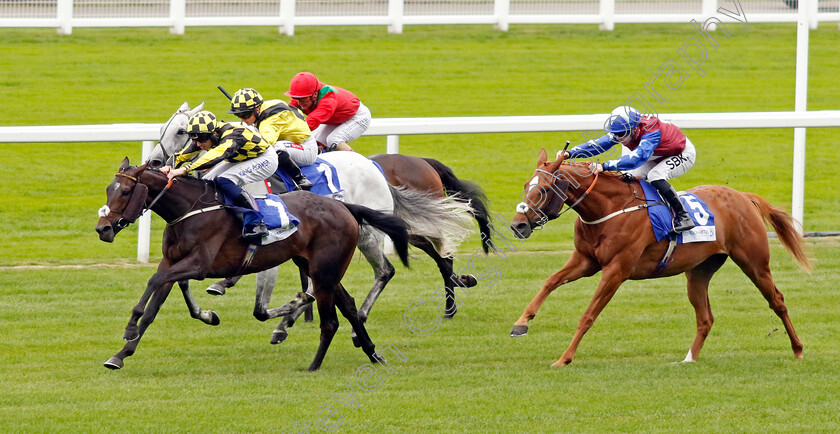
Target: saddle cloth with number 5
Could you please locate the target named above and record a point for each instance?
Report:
(662, 222)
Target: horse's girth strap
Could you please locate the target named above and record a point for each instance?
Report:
(619, 212)
(198, 211)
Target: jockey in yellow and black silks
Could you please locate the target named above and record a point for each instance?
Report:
(236, 155)
(280, 125)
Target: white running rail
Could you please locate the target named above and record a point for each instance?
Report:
(395, 127)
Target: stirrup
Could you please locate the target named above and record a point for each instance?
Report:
(683, 223)
(255, 233)
(303, 183)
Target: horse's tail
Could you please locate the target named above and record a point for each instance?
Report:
(445, 221)
(393, 226)
(782, 223)
(471, 192)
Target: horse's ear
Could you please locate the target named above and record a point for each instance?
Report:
(124, 165)
(543, 156)
(184, 107)
(197, 108)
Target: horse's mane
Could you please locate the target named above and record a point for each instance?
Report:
(189, 180)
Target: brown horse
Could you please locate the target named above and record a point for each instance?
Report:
(624, 247)
(202, 240)
(432, 176)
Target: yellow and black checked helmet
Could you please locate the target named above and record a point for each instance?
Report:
(245, 100)
(202, 122)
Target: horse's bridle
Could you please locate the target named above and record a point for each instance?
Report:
(166, 154)
(544, 218)
(133, 202)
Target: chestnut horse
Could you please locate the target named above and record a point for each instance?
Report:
(202, 239)
(613, 235)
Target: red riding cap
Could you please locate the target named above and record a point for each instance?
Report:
(303, 84)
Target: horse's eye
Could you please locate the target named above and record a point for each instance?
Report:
(125, 192)
(182, 131)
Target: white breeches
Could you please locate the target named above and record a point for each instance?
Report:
(331, 135)
(248, 171)
(302, 154)
(667, 167)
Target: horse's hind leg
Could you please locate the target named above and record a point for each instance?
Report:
(698, 295)
(370, 243)
(756, 265)
(576, 267)
(220, 287)
(207, 316)
(347, 306)
(450, 279)
(329, 322)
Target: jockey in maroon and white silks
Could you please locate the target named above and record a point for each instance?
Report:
(659, 151)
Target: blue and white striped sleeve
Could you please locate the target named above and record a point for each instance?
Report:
(592, 147)
(638, 156)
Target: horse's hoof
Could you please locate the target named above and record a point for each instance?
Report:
(278, 336)
(468, 280)
(450, 313)
(216, 289)
(561, 362)
(376, 358)
(519, 330)
(214, 319)
(356, 342)
(114, 363)
(129, 337)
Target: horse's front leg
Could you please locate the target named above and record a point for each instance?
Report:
(576, 267)
(160, 292)
(159, 285)
(613, 276)
(207, 316)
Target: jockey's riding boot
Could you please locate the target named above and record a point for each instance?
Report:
(285, 163)
(682, 222)
(245, 200)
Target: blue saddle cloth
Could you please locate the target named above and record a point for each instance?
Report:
(322, 175)
(273, 213)
(663, 223)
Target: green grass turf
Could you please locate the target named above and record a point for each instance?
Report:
(57, 325)
(60, 324)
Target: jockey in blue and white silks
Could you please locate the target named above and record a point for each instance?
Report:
(659, 151)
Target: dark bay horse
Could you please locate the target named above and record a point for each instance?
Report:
(202, 240)
(624, 247)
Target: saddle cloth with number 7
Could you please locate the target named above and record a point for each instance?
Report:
(662, 222)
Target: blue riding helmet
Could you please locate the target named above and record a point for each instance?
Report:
(623, 119)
